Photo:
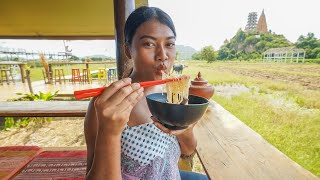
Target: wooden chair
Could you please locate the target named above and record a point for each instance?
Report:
(46, 76)
(5, 73)
(86, 75)
(60, 73)
(76, 75)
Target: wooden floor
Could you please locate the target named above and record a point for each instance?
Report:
(229, 149)
(9, 91)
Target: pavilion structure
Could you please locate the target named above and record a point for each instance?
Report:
(10, 53)
(284, 54)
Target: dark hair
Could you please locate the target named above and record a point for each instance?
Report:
(143, 14)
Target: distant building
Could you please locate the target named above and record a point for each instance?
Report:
(262, 24)
(253, 25)
(252, 22)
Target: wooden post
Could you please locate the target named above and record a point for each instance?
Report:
(304, 55)
(21, 66)
(50, 73)
(297, 57)
(29, 81)
(122, 9)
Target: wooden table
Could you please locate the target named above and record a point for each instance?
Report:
(65, 63)
(43, 108)
(20, 64)
(229, 149)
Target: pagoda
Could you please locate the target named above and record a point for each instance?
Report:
(262, 27)
(252, 22)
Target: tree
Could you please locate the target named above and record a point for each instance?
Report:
(196, 56)
(207, 53)
(309, 43)
(75, 58)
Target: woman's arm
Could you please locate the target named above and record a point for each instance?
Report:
(106, 161)
(112, 110)
(90, 132)
(187, 141)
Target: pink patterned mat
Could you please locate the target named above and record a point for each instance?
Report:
(56, 165)
(14, 158)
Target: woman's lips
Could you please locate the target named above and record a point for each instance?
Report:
(162, 67)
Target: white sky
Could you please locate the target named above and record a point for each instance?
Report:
(206, 22)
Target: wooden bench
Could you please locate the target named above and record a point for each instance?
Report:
(227, 148)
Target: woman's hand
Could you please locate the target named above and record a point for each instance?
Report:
(181, 132)
(114, 105)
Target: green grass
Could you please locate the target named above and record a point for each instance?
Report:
(294, 133)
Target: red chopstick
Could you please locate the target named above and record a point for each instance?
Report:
(87, 93)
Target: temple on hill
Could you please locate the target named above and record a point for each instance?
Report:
(262, 24)
(253, 25)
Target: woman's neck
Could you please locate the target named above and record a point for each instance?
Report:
(140, 78)
(137, 77)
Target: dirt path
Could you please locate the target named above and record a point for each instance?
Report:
(58, 133)
(309, 82)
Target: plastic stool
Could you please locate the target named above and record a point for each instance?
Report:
(102, 74)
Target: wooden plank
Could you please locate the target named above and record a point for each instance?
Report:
(102, 62)
(43, 108)
(229, 149)
(12, 63)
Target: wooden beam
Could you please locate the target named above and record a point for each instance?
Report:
(122, 9)
(43, 108)
(60, 37)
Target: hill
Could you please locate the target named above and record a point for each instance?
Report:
(185, 52)
(250, 45)
(97, 56)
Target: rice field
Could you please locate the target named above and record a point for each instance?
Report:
(279, 101)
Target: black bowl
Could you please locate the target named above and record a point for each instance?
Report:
(176, 116)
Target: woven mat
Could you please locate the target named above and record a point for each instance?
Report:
(14, 158)
(56, 165)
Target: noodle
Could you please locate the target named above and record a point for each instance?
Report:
(178, 90)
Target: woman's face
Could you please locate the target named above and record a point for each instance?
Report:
(152, 50)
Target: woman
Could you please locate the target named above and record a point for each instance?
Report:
(123, 140)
